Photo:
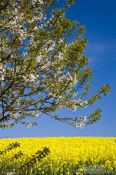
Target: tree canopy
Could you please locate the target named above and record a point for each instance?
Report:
(42, 68)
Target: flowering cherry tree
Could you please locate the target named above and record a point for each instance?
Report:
(41, 68)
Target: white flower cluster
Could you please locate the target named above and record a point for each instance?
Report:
(1, 77)
(47, 48)
(14, 115)
(80, 125)
(17, 21)
(35, 113)
(2, 71)
(6, 50)
(10, 173)
(38, 1)
(81, 122)
(28, 124)
(68, 77)
(59, 56)
(30, 78)
(39, 58)
(80, 104)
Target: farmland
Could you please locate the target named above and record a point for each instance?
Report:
(68, 155)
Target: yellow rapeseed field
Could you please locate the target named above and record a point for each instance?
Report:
(66, 150)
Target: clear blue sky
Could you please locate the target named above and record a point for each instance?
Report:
(99, 17)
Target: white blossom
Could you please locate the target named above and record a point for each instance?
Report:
(10, 173)
(79, 125)
(84, 119)
(2, 69)
(35, 28)
(1, 77)
(32, 77)
(28, 124)
(36, 114)
(40, 1)
(85, 102)
(13, 114)
(39, 58)
(41, 26)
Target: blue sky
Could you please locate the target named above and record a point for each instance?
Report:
(99, 18)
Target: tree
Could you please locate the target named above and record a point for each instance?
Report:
(41, 68)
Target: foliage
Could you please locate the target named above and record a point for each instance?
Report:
(5, 159)
(41, 68)
(28, 165)
(8, 165)
(68, 156)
